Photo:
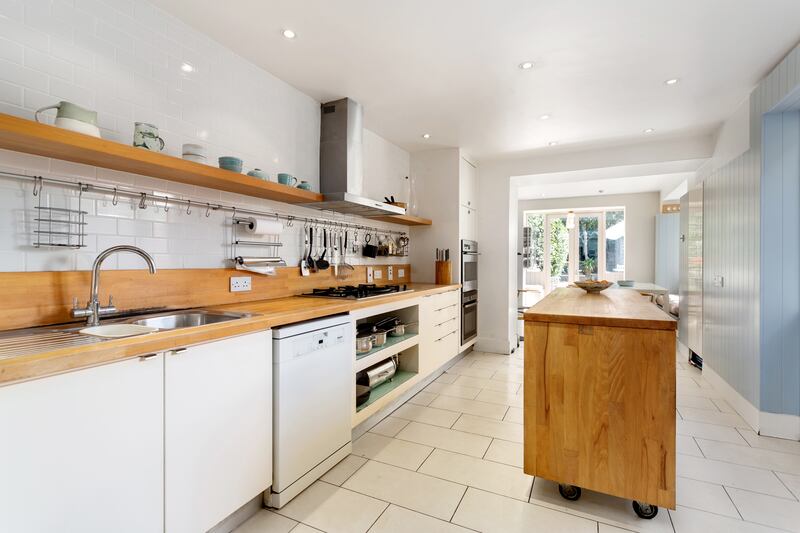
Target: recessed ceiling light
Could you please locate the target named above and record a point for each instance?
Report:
(186, 67)
(649, 130)
(289, 34)
(672, 81)
(426, 135)
(552, 143)
(544, 117)
(526, 65)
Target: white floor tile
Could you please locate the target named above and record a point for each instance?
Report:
(514, 414)
(446, 439)
(486, 475)
(473, 372)
(731, 475)
(503, 451)
(770, 443)
(266, 521)
(303, 528)
(791, 481)
(686, 445)
(395, 452)
(687, 520)
(346, 467)
(491, 513)
(501, 398)
(491, 428)
(605, 528)
(723, 406)
(767, 510)
(426, 415)
(447, 379)
(712, 417)
(472, 407)
(514, 375)
(333, 509)
(398, 520)
(468, 381)
(423, 398)
(415, 491)
(697, 402)
(746, 455)
(596, 506)
(704, 496)
(456, 391)
(389, 426)
(709, 431)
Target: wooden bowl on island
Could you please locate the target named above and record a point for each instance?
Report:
(592, 286)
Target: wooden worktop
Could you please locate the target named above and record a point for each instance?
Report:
(266, 314)
(611, 307)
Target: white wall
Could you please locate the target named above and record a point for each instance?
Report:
(124, 59)
(640, 212)
(497, 218)
(386, 167)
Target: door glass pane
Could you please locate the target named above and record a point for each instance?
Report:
(559, 252)
(615, 241)
(587, 247)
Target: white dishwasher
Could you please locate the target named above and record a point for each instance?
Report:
(313, 395)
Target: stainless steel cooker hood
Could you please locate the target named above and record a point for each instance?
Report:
(341, 163)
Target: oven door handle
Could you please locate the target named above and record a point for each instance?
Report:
(471, 304)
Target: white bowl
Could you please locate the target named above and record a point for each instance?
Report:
(194, 149)
(195, 158)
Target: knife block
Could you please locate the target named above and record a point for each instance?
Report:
(444, 273)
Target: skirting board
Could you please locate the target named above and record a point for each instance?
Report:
(491, 345)
(762, 422)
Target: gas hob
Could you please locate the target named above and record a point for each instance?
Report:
(358, 292)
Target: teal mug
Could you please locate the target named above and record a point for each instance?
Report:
(306, 186)
(286, 179)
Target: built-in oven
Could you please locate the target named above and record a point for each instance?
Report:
(469, 316)
(469, 266)
(469, 290)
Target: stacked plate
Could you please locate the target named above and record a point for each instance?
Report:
(194, 152)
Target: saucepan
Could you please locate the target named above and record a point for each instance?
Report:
(400, 329)
(364, 342)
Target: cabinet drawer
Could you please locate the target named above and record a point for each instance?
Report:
(444, 313)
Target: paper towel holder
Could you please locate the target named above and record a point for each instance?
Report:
(270, 257)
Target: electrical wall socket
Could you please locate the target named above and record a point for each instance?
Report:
(390, 272)
(379, 274)
(241, 283)
(401, 272)
(370, 275)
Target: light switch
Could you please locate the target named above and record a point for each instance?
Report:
(370, 275)
(390, 273)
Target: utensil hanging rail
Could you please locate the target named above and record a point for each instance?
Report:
(166, 201)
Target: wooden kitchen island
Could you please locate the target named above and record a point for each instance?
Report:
(599, 408)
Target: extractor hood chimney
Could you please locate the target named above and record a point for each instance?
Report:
(341, 163)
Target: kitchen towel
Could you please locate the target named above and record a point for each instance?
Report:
(262, 226)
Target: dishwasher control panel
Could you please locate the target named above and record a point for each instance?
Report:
(320, 340)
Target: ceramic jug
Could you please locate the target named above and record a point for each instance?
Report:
(73, 117)
(146, 136)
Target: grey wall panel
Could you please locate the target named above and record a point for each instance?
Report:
(668, 234)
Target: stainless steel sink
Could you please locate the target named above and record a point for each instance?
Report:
(186, 319)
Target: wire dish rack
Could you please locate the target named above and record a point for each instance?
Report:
(59, 227)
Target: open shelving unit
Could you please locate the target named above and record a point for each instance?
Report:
(31, 137)
(394, 345)
(401, 377)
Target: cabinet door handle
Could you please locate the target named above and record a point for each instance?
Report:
(177, 351)
(445, 322)
(446, 307)
(441, 338)
(147, 356)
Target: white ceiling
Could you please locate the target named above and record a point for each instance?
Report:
(449, 67)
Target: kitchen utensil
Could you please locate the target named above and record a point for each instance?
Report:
(312, 263)
(379, 338)
(234, 164)
(362, 394)
(146, 136)
(400, 329)
(592, 286)
(73, 117)
(387, 322)
(323, 263)
(364, 343)
(444, 272)
(380, 373)
(258, 173)
(304, 270)
(286, 179)
(370, 250)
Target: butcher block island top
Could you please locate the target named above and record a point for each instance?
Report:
(599, 405)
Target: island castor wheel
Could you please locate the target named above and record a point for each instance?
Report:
(569, 492)
(645, 510)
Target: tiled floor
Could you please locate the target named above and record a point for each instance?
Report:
(450, 460)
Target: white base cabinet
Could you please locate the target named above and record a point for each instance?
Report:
(170, 442)
(439, 326)
(82, 452)
(218, 430)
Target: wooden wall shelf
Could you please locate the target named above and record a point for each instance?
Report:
(27, 136)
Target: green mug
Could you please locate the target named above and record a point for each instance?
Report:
(286, 179)
(306, 186)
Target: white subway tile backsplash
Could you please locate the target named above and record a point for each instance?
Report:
(48, 64)
(76, 55)
(26, 77)
(15, 31)
(11, 51)
(63, 90)
(11, 94)
(101, 225)
(142, 228)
